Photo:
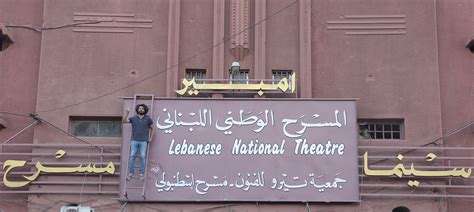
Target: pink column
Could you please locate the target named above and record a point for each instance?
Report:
(305, 84)
(173, 48)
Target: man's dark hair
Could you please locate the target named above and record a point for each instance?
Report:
(144, 107)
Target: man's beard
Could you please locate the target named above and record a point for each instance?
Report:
(141, 113)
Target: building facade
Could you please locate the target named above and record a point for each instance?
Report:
(64, 79)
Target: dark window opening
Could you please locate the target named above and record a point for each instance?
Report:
(277, 75)
(381, 129)
(199, 75)
(241, 78)
(96, 126)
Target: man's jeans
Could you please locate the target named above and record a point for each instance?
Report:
(137, 146)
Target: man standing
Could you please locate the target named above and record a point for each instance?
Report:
(142, 134)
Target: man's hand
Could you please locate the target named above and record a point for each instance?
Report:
(125, 116)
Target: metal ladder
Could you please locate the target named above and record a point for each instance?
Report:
(136, 99)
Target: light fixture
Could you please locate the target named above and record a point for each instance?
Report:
(5, 38)
(470, 44)
(235, 68)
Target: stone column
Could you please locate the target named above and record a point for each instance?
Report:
(218, 67)
(304, 77)
(173, 48)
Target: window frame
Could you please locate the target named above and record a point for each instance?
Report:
(73, 120)
(382, 127)
(287, 75)
(245, 72)
(189, 74)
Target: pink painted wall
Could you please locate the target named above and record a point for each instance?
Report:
(18, 80)
(421, 72)
(19, 66)
(456, 65)
(282, 38)
(394, 75)
(78, 66)
(195, 33)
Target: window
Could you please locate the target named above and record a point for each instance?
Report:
(96, 126)
(381, 129)
(198, 74)
(241, 78)
(277, 75)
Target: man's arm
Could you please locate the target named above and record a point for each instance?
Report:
(125, 116)
(150, 135)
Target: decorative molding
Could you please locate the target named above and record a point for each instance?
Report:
(239, 18)
(104, 14)
(93, 22)
(370, 24)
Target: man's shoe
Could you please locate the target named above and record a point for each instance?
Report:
(129, 176)
(141, 176)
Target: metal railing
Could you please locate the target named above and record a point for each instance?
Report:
(380, 157)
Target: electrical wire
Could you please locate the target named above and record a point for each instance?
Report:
(48, 123)
(85, 177)
(453, 132)
(15, 114)
(146, 78)
(433, 141)
(55, 27)
(20, 132)
(54, 203)
(18, 199)
(186, 60)
(211, 207)
(108, 205)
(152, 208)
(172, 66)
(65, 132)
(135, 83)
